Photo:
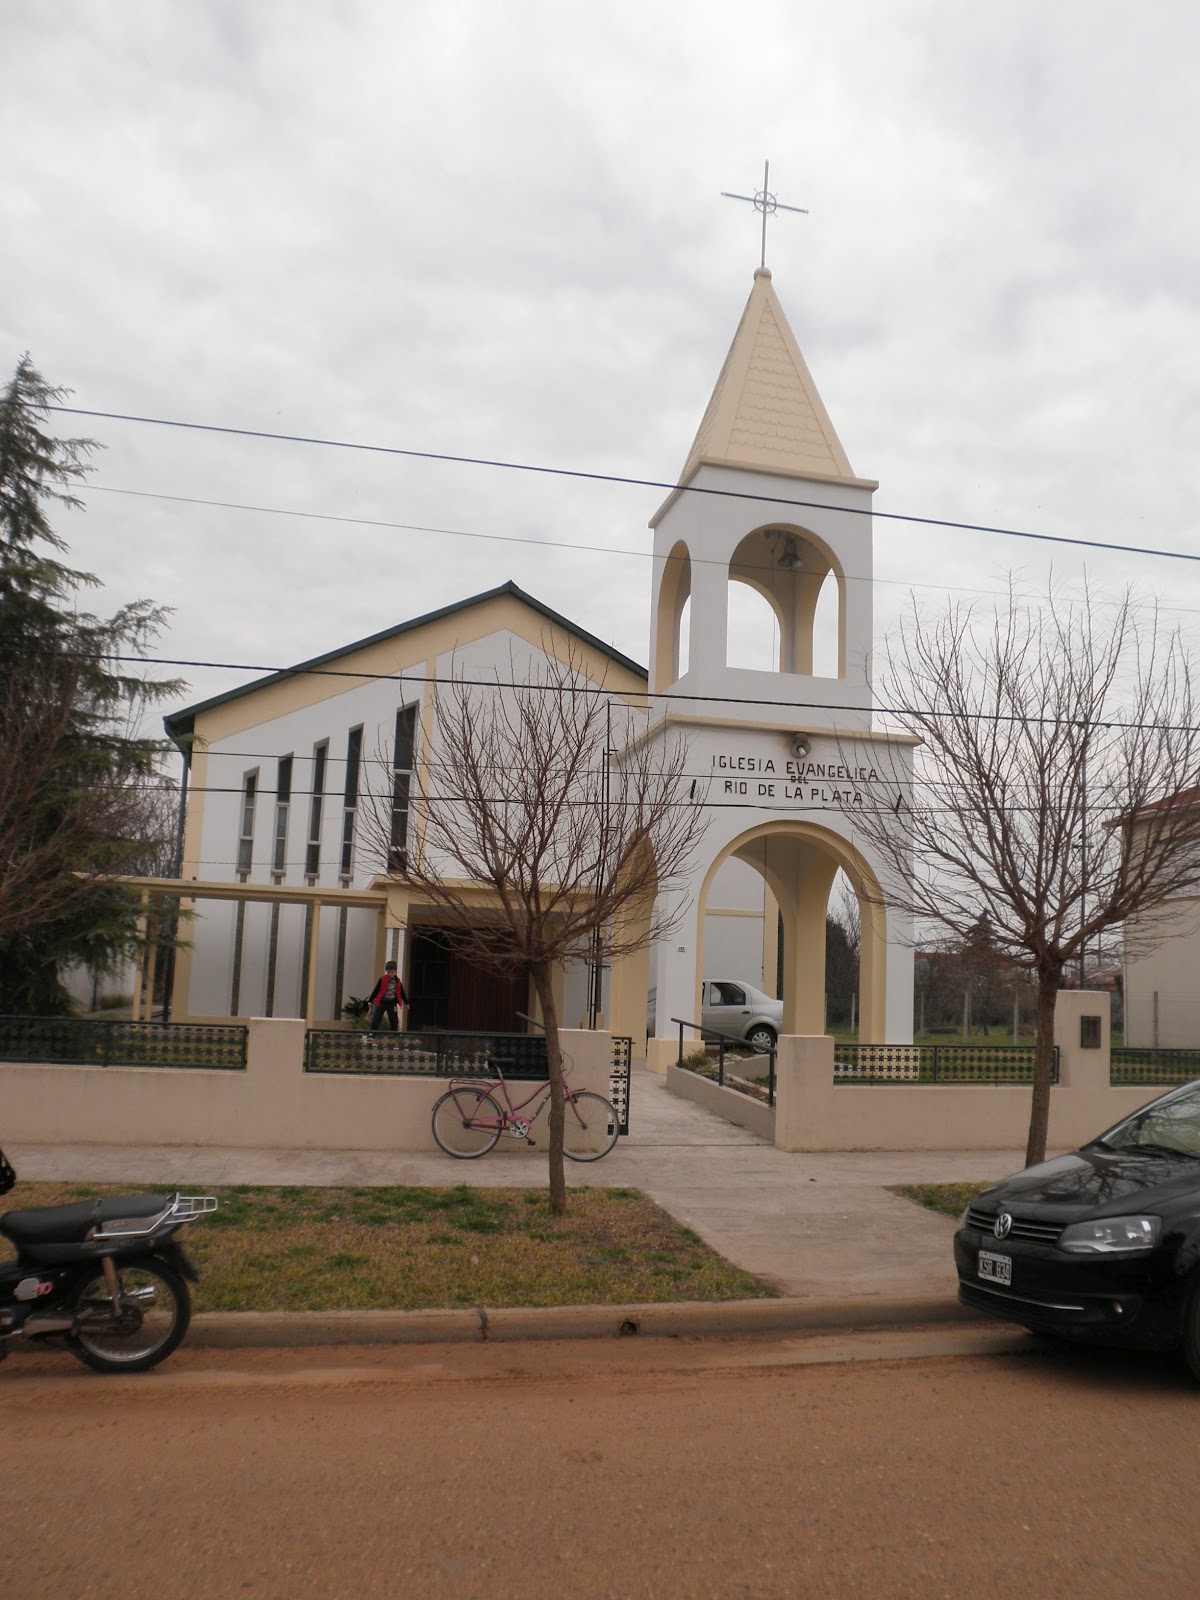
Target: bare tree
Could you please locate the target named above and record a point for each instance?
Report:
(546, 795)
(1056, 746)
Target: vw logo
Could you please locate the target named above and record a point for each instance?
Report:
(1003, 1225)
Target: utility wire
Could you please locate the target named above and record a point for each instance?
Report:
(846, 734)
(510, 538)
(618, 478)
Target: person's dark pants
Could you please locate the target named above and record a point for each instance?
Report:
(388, 1008)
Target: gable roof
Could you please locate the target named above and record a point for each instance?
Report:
(180, 725)
(765, 412)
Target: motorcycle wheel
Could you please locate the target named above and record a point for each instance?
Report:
(155, 1311)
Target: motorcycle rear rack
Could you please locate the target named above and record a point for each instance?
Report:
(181, 1208)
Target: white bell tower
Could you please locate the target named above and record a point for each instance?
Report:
(784, 757)
(768, 498)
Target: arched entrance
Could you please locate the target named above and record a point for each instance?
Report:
(799, 861)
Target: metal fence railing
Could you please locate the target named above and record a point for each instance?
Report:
(87, 1042)
(423, 1055)
(450, 1055)
(1129, 1066)
(994, 1064)
(736, 1065)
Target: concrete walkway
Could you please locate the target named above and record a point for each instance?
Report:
(821, 1227)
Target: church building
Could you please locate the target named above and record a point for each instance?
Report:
(291, 907)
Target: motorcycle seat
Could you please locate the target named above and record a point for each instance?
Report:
(70, 1224)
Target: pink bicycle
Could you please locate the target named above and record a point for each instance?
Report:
(468, 1119)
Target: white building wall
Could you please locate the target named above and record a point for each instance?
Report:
(373, 706)
(733, 948)
(733, 926)
(1162, 978)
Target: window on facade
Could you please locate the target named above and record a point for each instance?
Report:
(283, 800)
(312, 855)
(350, 801)
(402, 774)
(245, 852)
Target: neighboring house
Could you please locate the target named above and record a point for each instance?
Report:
(1162, 962)
(1162, 968)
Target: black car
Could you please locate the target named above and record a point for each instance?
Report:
(1102, 1245)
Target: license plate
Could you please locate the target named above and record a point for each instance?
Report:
(997, 1269)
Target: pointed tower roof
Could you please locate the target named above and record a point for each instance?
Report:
(765, 413)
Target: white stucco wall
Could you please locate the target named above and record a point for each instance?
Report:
(1162, 977)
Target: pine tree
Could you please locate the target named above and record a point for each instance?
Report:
(80, 785)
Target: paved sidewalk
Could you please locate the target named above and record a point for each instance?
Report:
(821, 1227)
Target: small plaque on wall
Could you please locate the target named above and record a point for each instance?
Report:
(1089, 1033)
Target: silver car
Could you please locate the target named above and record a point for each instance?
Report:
(735, 1008)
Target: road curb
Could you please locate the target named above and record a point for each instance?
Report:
(235, 1330)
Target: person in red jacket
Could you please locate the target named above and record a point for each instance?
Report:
(386, 996)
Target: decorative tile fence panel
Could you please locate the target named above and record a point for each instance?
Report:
(1153, 1068)
(85, 1042)
(622, 1062)
(935, 1063)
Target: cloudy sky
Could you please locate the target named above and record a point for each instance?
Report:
(495, 230)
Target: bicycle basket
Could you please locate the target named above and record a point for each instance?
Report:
(8, 1176)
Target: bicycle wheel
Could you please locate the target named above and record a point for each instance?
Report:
(467, 1123)
(590, 1127)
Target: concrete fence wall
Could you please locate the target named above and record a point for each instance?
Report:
(812, 1112)
(815, 1112)
(273, 1103)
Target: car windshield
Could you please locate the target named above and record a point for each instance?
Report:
(1170, 1126)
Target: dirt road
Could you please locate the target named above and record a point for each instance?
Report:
(946, 1463)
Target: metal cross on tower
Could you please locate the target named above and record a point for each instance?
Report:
(765, 202)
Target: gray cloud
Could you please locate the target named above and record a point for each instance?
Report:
(496, 231)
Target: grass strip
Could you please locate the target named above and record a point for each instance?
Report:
(951, 1199)
(406, 1248)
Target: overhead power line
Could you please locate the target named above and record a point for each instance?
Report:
(668, 695)
(620, 478)
(343, 518)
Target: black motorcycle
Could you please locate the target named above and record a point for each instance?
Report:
(106, 1279)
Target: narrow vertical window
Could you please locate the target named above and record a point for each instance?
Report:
(402, 773)
(350, 801)
(312, 856)
(283, 801)
(245, 852)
